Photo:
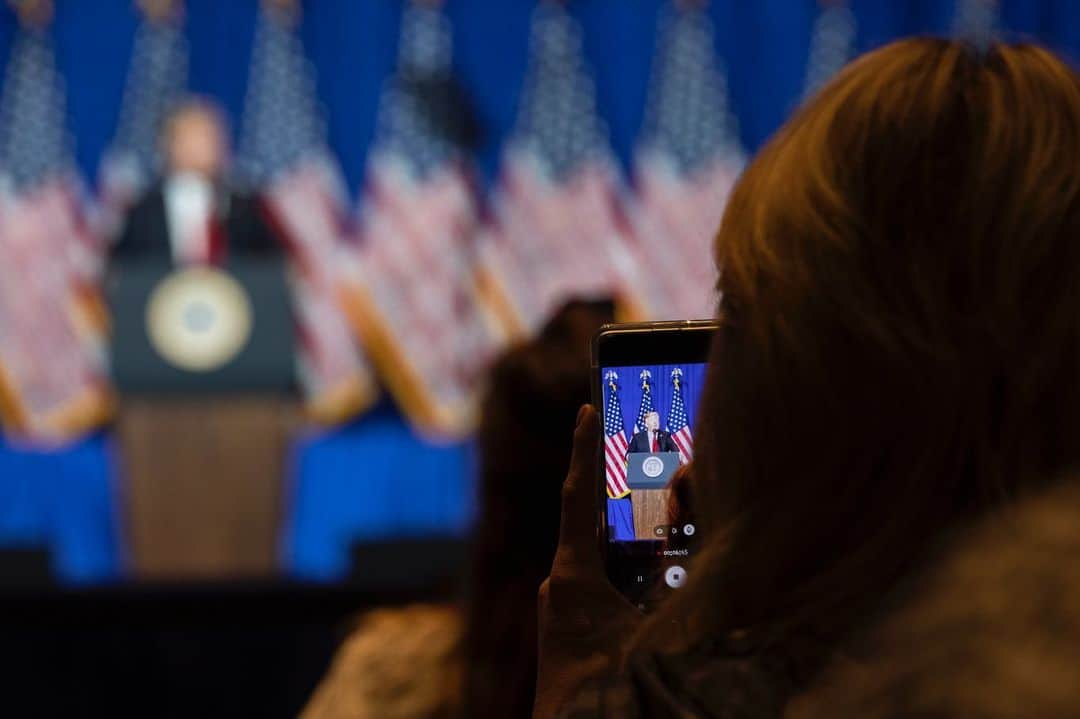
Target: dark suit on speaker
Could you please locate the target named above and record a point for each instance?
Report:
(240, 224)
(640, 442)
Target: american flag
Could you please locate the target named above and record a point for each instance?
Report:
(646, 405)
(832, 44)
(615, 443)
(283, 152)
(678, 422)
(52, 360)
(412, 285)
(556, 233)
(157, 79)
(976, 20)
(686, 164)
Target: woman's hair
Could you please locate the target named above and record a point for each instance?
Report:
(529, 410)
(900, 342)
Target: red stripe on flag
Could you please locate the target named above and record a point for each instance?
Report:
(620, 448)
(685, 443)
(616, 469)
(623, 444)
(614, 456)
(616, 487)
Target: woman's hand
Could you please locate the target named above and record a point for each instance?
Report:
(584, 622)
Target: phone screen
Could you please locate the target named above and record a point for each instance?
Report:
(649, 416)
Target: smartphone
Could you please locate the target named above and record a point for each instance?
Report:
(647, 381)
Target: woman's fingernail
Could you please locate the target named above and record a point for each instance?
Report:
(581, 413)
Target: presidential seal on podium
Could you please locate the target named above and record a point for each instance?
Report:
(199, 319)
(652, 467)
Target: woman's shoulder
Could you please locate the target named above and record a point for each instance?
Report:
(990, 630)
(716, 679)
(397, 662)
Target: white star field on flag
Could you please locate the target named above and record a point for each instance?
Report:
(832, 44)
(157, 79)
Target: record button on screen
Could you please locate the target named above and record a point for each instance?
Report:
(675, 576)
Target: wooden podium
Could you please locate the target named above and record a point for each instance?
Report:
(648, 475)
(203, 479)
(650, 508)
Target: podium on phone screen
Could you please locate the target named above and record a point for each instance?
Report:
(648, 475)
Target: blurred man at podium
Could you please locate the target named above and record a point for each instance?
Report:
(652, 438)
(206, 387)
(191, 215)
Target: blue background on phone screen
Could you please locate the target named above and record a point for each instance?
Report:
(630, 390)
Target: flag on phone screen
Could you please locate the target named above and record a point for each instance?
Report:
(615, 444)
(678, 423)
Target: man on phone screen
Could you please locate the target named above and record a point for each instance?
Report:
(652, 438)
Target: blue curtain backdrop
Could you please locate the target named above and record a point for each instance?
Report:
(352, 44)
(368, 481)
(68, 501)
